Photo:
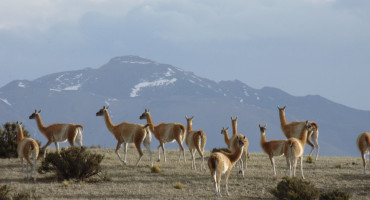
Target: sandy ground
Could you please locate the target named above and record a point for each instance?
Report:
(130, 182)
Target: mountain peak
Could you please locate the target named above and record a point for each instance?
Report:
(131, 59)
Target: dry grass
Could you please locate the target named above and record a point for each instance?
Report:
(130, 182)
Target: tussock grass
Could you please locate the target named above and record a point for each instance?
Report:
(131, 182)
(178, 186)
(156, 169)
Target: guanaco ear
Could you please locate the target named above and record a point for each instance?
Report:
(16, 122)
(103, 107)
(107, 107)
(39, 110)
(259, 125)
(227, 128)
(265, 125)
(192, 117)
(186, 117)
(35, 111)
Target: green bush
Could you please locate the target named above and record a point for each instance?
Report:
(8, 140)
(72, 163)
(294, 188)
(335, 195)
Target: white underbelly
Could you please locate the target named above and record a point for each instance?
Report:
(62, 136)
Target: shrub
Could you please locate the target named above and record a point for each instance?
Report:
(335, 195)
(24, 195)
(156, 169)
(4, 192)
(338, 166)
(310, 159)
(294, 188)
(8, 140)
(178, 186)
(72, 163)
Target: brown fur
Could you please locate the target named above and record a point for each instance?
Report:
(243, 162)
(125, 133)
(226, 136)
(363, 145)
(272, 148)
(295, 149)
(195, 139)
(58, 132)
(26, 148)
(166, 132)
(221, 163)
(293, 129)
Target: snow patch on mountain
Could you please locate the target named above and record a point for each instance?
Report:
(73, 87)
(159, 82)
(21, 85)
(6, 101)
(170, 72)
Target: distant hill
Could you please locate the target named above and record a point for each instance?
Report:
(129, 84)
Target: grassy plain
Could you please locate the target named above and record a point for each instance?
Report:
(130, 182)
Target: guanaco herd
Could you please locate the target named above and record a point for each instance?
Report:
(298, 133)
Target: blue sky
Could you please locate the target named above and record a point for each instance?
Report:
(300, 46)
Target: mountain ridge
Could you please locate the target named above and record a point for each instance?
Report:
(129, 84)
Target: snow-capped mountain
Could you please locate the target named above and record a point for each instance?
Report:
(129, 84)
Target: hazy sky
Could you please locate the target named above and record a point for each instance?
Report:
(300, 46)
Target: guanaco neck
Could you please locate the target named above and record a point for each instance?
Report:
(189, 126)
(40, 124)
(20, 135)
(226, 138)
(303, 136)
(263, 139)
(233, 157)
(283, 121)
(108, 121)
(235, 130)
(149, 121)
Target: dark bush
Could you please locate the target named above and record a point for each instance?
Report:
(24, 195)
(72, 163)
(4, 192)
(335, 195)
(294, 188)
(8, 140)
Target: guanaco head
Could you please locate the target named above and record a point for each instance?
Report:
(145, 114)
(189, 120)
(308, 126)
(235, 119)
(102, 111)
(281, 109)
(18, 126)
(241, 141)
(224, 130)
(262, 128)
(33, 115)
